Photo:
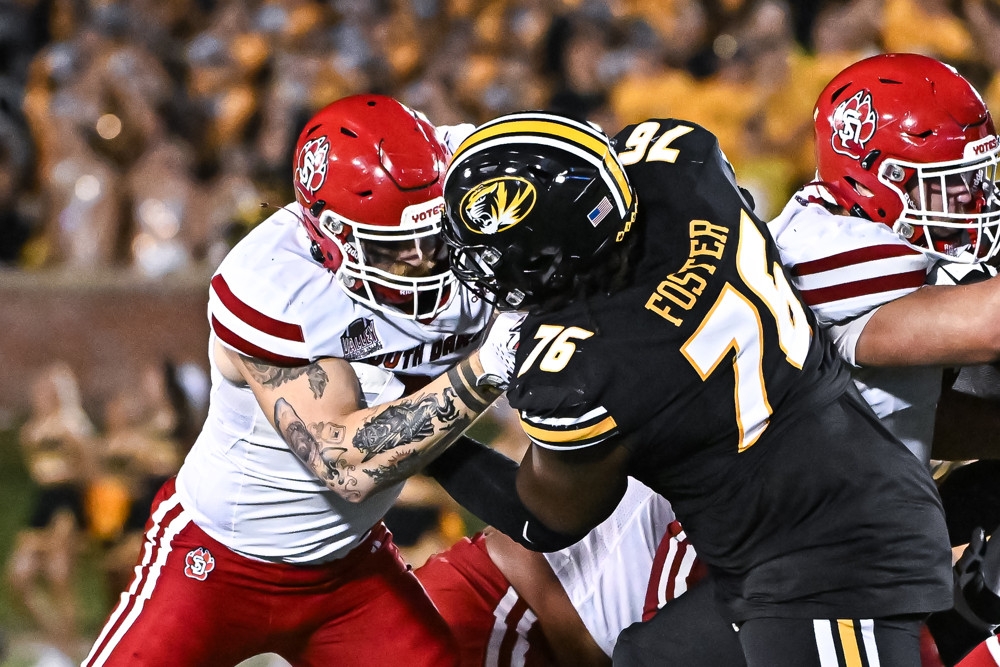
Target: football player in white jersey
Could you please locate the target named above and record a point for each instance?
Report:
(905, 196)
(343, 357)
(511, 606)
(891, 245)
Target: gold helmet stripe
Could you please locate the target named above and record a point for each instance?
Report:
(573, 137)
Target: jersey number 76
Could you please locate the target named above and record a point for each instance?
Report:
(733, 323)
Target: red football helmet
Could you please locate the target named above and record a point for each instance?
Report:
(904, 140)
(369, 174)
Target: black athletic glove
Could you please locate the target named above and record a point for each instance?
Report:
(977, 575)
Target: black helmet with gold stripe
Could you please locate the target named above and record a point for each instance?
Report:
(535, 205)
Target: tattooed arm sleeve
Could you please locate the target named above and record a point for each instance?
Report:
(356, 451)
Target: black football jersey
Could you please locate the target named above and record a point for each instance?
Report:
(708, 366)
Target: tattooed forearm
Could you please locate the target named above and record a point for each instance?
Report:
(328, 463)
(337, 470)
(395, 439)
(275, 376)
(399, 467)
(407, 422)
(294, 430)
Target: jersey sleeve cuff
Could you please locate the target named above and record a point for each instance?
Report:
(846, 334)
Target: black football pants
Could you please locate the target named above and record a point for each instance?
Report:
(689, 631)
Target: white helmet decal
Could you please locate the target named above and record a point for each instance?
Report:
(310, 172)
(854, 123)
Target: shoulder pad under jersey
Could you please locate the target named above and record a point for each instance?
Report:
(842, 265)
(268, 294)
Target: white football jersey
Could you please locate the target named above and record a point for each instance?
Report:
(269, 299)
(606, 574)
(846, 268)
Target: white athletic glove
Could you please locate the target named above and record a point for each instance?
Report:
(452, 136)
(496, 354)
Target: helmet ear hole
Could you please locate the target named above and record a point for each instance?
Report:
(860, 188)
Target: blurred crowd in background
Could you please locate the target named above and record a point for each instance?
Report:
(93, 479)
(145, 135)
(93, 488)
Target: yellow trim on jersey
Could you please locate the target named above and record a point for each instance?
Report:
(606, 425)
(571, 134)
(849, 642)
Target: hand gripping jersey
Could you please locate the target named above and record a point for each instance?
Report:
(846, 268)
(270, 300)
(709, 367)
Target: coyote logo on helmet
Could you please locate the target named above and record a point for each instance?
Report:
(198, 563)
(854, 124)
(497, 204)
(311, 169)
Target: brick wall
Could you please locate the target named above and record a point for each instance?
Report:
(107, 327)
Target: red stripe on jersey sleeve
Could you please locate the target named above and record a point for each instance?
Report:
(251, 350)
(253, 317)
(896, 281)
(652, 602)
(850, 258)
(511, 637)
(696, 573)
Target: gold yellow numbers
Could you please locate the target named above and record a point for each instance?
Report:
(638, 143)
(733, 324)
(555, 342)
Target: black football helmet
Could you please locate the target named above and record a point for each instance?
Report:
(535, 204)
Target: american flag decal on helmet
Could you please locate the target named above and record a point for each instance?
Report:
(600, 212)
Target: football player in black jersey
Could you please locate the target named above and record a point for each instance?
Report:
(664, 341)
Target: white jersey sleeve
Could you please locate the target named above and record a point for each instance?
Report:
(263, 296)
(845, 335)
(606, 574)
(844, 266)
